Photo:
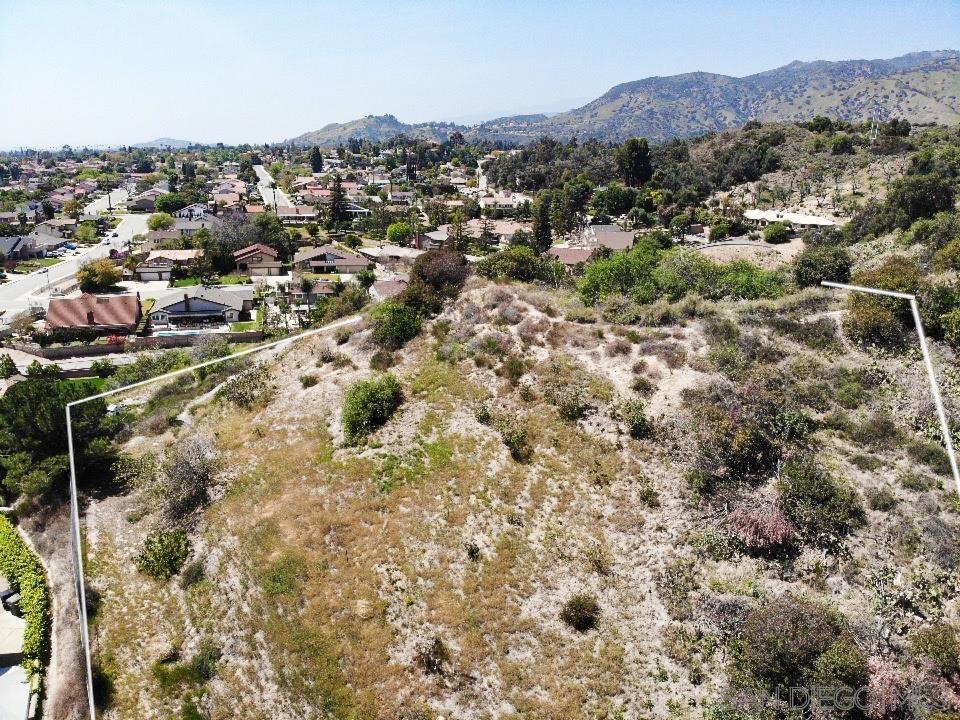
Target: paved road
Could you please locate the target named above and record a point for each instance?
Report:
(117, 197)
(15, 295)
(266, 192)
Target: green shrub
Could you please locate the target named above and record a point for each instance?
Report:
(823, 509)
(742, 432)
(192, 574)
(790, 642)
(881, 499)
(249, 388)
(776, 233)
(164, 553)
(102, 368)
(581, 612)
(518, 262)
(381, 360)
(822, 262)
(394, 324)
(634, 414)
(883, 320)
(8, 368)
(369, 404)
(932, 454)
(948, 257)
(514, 436)
(940, 645)
(24, 572)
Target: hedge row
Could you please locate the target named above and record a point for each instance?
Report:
(23, 570)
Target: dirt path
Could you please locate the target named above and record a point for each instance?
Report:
(48, 531)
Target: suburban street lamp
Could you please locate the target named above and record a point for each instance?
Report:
(934, 387)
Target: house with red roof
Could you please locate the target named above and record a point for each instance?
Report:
(106, 314)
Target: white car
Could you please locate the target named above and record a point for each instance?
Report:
(105, 241)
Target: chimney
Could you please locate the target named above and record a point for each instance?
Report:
(90, 318)
(186, 302)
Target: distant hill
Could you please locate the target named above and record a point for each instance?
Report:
(375, 128)
(923, 87)
(165, 143)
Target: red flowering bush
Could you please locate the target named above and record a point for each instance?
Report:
(765, 528)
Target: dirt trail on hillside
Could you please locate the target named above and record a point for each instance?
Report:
(49, 532)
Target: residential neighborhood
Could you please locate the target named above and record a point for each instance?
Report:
(615, 377)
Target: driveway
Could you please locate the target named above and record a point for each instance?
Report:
(14, 693)
(266, 192)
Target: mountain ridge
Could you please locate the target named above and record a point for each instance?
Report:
(921, 86)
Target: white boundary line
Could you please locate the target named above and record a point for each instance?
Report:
(74, 502)
(934, 387)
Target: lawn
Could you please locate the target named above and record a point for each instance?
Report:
(28, 266)
(243, 326)
(186, 282)
(233, 280)
(322, 276)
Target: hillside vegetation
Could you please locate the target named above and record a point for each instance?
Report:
(923, 87)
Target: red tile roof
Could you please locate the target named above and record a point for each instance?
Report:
(106, 311)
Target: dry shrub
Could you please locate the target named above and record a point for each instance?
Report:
(530, 330)
(762, 529)
(511, 314)
(620, 346)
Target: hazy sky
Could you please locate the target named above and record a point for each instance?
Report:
(103, 72)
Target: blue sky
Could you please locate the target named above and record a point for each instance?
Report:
(121, 71)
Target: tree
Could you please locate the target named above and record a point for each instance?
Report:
(399, 233)
(72, 209)
(338, 204)
(8, 368)
(542, 235)
(269, 230)
(459, 237)
(160, 221)
(822, 262)
(633, 162)
(394, 324)
(171, 202)
(86, 233)
(98, 275)
(316, 159)
(444, 271)
(777, 232)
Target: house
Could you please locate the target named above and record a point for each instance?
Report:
(159, 264)
(159, 238)
(107, 314)
(254, 209)
(257, 259)
(201, 305)
(329, 259)
(297, 214)
(391, 254)
(308, 292)
(608, 236)
(196, 211)
(762, 218)
(189, 227)
(384, 289)
(434, 239)
(145, 201)
(15, 247)
(403, 197)
(571, 257)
